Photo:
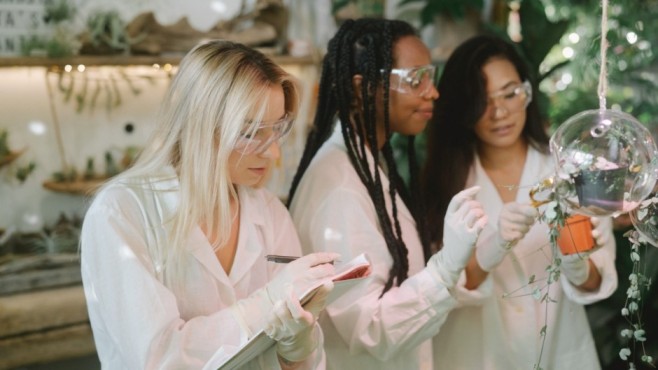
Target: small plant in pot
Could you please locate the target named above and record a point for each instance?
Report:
(106, 34)
(576, 235)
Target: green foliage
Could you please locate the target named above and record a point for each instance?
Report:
(69, 175)
(62, 42)
(540, 35)
(631, 66)
(4, 145)
(337, 5)
(106, 33)
(22, 173)
(58, 11)
(90, 170)
(60, 45)
(62, 237)
(456, 9)
(111, 167)
(640, 285)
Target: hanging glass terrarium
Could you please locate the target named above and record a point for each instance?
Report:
(606, 162)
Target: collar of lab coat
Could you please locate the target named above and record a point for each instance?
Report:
(535, 169)
(337, 140)
(248, 250)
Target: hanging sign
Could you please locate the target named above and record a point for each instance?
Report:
(21, 20)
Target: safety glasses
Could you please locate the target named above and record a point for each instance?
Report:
(513, 98)
(416, 80)
(258, 137)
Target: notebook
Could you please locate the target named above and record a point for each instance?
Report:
(347, 275)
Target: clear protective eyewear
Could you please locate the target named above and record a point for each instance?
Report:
(415, 80)
(258, 136)
(513, 98)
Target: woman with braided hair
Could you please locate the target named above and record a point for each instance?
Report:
(348, 197)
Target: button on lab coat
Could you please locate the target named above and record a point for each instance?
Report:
(333, 212)
(496, 333)
(140, 323)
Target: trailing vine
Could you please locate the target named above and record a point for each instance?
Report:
(640, 284)
(554, 215)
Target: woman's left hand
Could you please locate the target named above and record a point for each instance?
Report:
(292, 325)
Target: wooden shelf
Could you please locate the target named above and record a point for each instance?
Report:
(78, 187)
(125, 60)
(10, 157)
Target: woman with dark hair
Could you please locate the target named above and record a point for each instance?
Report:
(348, 197)
(488, 133)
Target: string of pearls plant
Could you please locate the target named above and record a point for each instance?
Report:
(640, 284)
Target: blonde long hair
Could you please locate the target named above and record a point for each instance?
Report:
(203, 113)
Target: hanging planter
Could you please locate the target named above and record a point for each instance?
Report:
(606, 161)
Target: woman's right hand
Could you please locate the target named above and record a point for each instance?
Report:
(513, 223)
(285, 290)
(463, 223)
(302, 274)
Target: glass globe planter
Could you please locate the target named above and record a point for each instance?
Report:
(606, 162)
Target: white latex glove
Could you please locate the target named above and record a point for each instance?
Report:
(295, 278)
(293, 326)
(302, 274)
(513, 223)
(576, 266)
(462, 225)
(600, 232)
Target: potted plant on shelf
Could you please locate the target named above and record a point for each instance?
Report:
(6, 154)
(106, 34)
(576, 235)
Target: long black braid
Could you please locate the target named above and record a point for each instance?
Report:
(363, 47)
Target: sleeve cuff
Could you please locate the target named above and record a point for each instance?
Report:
(472, 297)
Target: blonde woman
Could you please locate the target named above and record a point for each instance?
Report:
(173, 249)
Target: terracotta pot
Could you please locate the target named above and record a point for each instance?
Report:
(576, 235)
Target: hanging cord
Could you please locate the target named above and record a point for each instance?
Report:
(603, 82)
(514, 21)
(58, 130)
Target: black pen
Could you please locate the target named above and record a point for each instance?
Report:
(280, 259)
(285, 259)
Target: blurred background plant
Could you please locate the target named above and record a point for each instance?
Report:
(62, 41)
(8, 158)
(632, 64)
(106, 34)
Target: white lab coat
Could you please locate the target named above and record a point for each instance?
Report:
(137, 321)
(333, 212)
(496, 333)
